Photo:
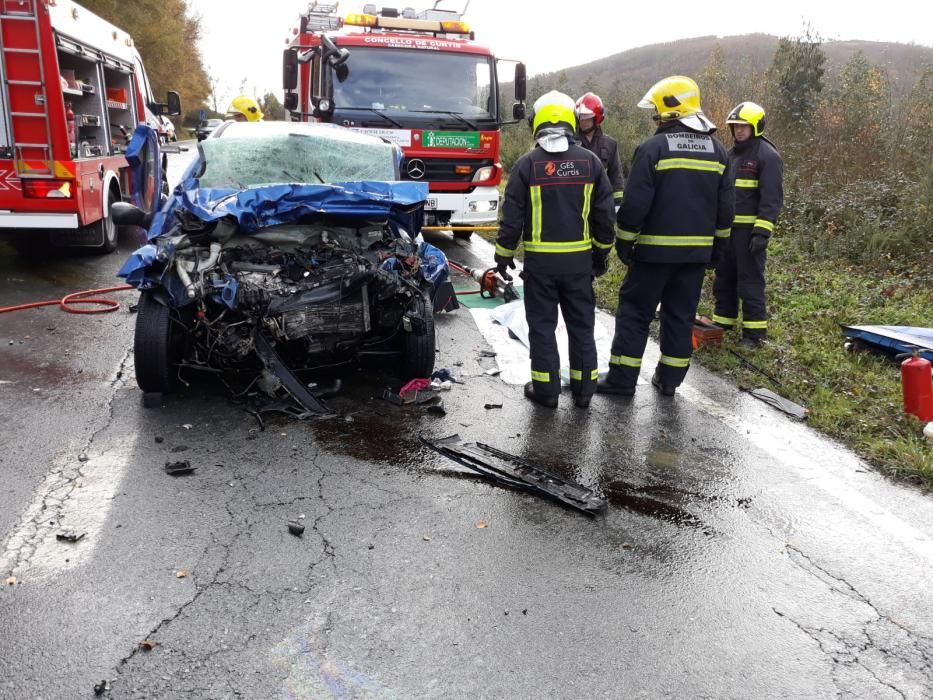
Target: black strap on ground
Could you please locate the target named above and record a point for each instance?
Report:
(514, 472)
(298, 391)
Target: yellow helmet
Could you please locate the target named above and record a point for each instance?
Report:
(247, 106)
(553, 108)
(748, 113)
(673, 98)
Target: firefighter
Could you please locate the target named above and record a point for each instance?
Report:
(759, 192)
(590, 115)
(558, 204)
(244, 109)
(673, 224)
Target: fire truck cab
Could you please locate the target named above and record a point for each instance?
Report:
(418, 80)
(72, 91)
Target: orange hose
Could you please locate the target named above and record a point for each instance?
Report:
(67, 302)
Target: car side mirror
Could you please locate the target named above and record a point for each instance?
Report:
(174, 103)
(126, 214)
(518, 111)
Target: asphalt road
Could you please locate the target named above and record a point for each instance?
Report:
(742, 554)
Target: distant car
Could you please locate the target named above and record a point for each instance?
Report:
(206, 127)
(295, 236)
(167, 130)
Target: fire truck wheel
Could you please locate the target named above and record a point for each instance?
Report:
(157, 346)
(462, 235)
(106, 228)
(418, 350)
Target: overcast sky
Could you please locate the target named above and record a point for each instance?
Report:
(244, 48)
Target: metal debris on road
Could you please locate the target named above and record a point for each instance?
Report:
(296, 528)
(179, 468)
(102, 687)
(779, 402)
(69, 536)
(304, 403)
(509, 470)
(489, 406)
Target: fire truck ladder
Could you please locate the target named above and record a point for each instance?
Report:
(24, 89)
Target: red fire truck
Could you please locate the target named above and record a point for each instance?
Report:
(72, 90)
(418, 80)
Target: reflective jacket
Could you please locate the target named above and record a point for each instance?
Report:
(559, 205)
(679, 197)
(608, 151)
(759, 184)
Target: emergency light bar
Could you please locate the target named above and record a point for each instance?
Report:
(405, 23)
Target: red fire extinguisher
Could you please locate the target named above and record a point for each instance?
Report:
(72, 131)
(917, 382)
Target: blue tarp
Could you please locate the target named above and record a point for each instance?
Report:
(895, 339)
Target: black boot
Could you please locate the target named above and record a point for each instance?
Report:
(581, 401)
(604, 386)
(549, 401)
(665, 389)
(753, 342)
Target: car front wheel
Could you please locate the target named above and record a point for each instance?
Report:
(158, 344)
(418, 348)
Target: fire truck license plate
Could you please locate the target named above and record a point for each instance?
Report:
(430, 204)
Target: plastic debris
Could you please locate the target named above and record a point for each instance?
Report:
(779, 402)
(296, 528)
(444, 375)
(414, 385)
(102, 687)
(179, 468)
(489, 406)
(148, 645)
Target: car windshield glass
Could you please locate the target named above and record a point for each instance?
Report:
(417, 81)
(338, 156)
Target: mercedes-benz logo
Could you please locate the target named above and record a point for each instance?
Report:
(415, 169)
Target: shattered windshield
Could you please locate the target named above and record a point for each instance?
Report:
(295, 156)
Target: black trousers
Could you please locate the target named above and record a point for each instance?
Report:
(573, 293)
(741, 276)
(677, 287)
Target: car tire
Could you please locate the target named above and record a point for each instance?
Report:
(463, 235)
(109, 231)
(418, 351)
(157, 345)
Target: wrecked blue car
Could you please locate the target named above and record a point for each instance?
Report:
(287, 247)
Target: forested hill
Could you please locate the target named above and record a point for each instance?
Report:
(750, 53)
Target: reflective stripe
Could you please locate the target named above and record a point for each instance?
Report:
(744, 219)
(601, 245)
(723, 321)
(558, 247)
(765, 224)
(676, 240)
(577, 375)
(628, 236)
(587, 196)
(617, 195)
(675, 361)
(503, 251)
(690, 164)
(625, 361)
(746, 183)
(540, 376)
(723, 232)
(755, 325)
(536, 213)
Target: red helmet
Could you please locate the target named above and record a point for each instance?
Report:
(590, 107)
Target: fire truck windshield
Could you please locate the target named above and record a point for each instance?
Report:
(448, 87)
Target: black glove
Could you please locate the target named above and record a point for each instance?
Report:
(600, 264)
(719, 252)
(626, 251)
(502, 265)
(758, 243)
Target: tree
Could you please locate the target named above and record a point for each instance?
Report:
(271, 108)
(796, 77)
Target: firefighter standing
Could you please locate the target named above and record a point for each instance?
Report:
(759, 192)
(558, 203)
(590, 115)
(674, 222)
(244, 108)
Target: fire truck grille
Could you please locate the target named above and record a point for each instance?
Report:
(441, 169)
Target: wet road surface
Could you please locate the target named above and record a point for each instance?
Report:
(741, 555)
